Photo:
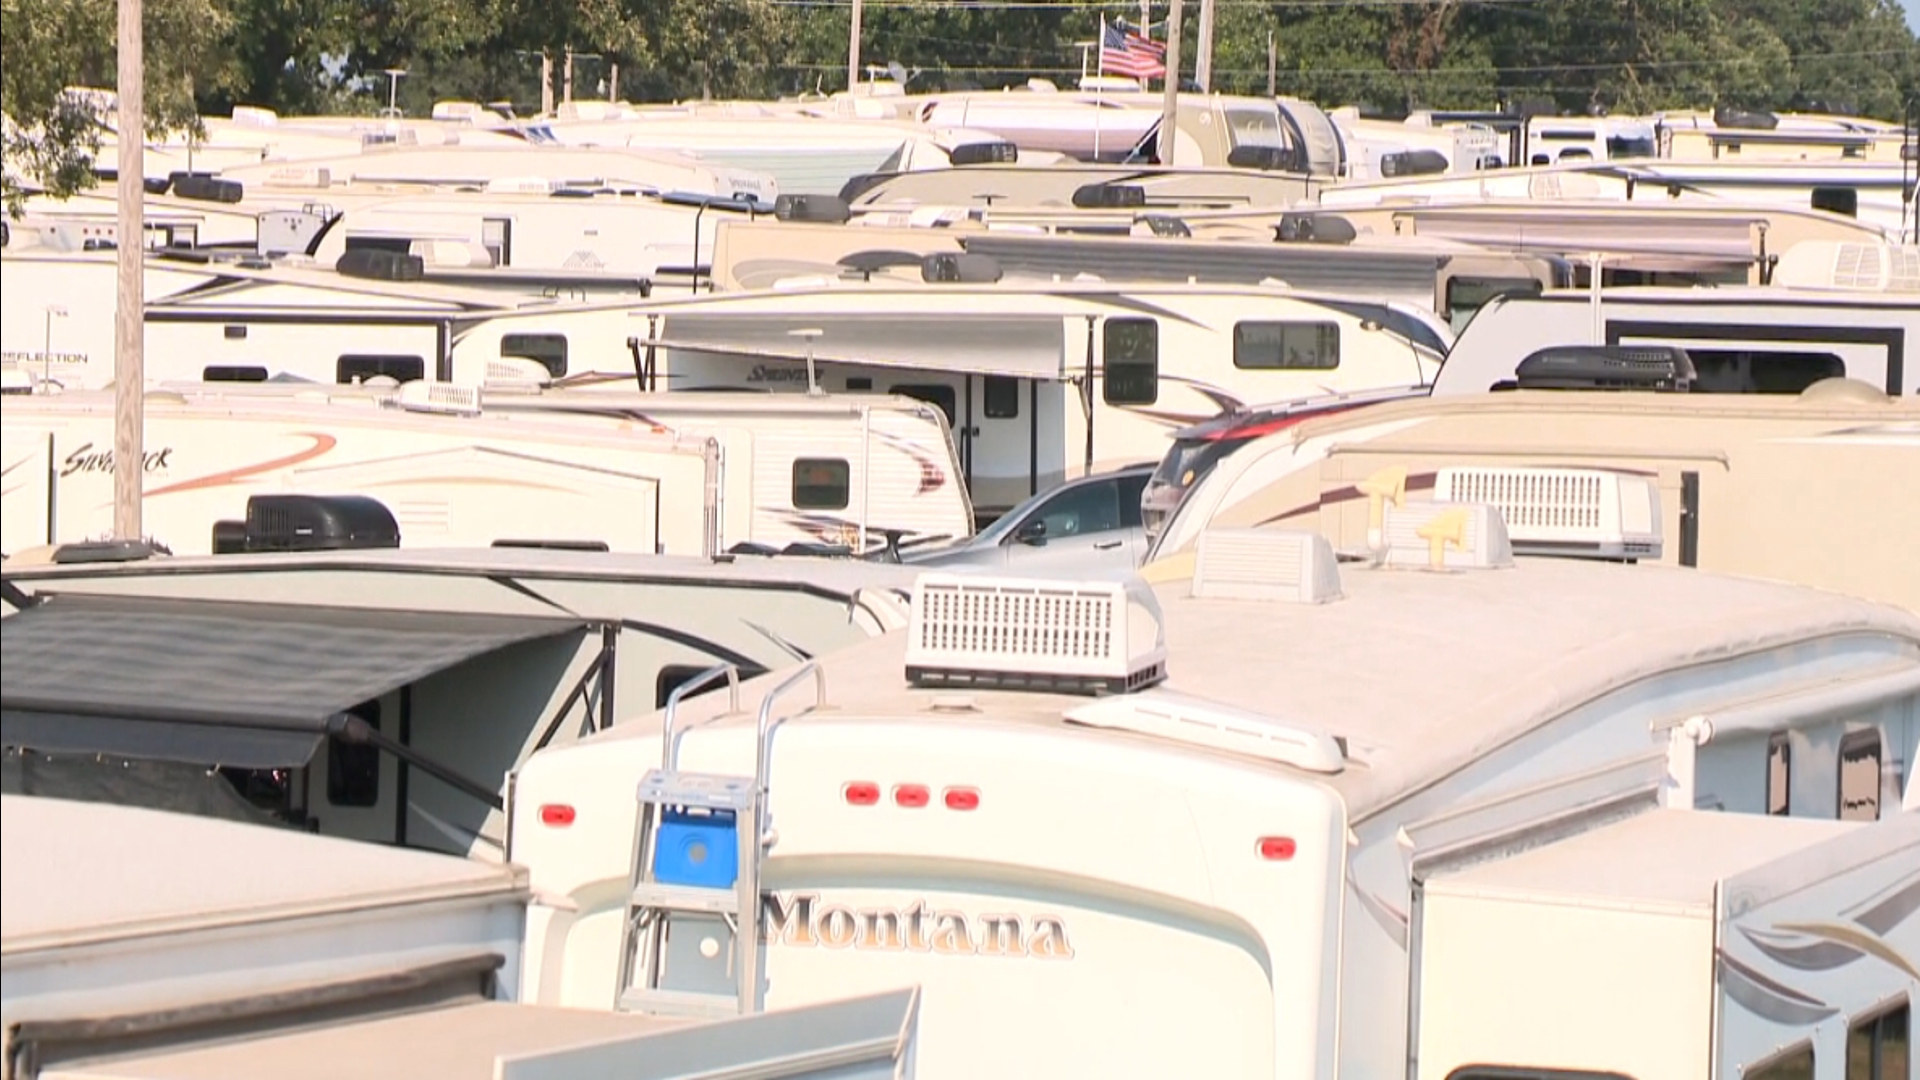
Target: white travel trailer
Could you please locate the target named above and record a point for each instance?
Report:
(1211, 876)
(1042, 381)
(1765, 340)
(626, 472)
(133, 949)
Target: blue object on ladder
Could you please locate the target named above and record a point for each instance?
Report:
(696, 848)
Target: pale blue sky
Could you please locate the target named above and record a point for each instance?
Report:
(1913, 14)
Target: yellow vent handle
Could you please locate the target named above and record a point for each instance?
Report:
(1388, 483)
(1447, 527)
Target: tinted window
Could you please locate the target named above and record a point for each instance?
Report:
(942, 396)
(353, 769)
(1088, 508)
(1877, 1047)
(1465, 295)
(1003, 397)
(399, 368)
(1795, 1064)
(1288, 345)
(1761, 371)
(1131, 488)
(233, 373)
(549, 349)
(1779, 773)
(821, 483)
(1860, 776)
(1133, 361)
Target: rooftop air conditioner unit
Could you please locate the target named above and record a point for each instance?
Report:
(447, 399)
(1265, 564)
(1591, 513)
(1035, 634)
(1453, 536)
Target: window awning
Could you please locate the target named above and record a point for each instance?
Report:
(219, 682)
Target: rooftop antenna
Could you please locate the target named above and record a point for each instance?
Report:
(394, 75)
(809, 335)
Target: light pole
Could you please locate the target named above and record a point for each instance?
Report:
(54, 311)
(394, 75)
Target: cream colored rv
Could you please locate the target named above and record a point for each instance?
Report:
(1814, 489)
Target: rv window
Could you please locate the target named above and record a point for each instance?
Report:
(549, 349)
(1311, 346)
(1133, 361)
(1878, 1046)
(399, 245)
(821, 484)
(1761, 371)
(233, 373)
(673, 675)
(398, 368)
(1003, 397)
(353, 769)
(237, 332)
(859, 382)
(1795, 1064)
(1625, 146)
(1466, 295)
(1860, 776)
(935, 394)
(1779, 773)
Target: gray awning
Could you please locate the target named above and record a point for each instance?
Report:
(219, 682)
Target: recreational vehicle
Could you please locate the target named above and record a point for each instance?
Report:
(133, 949)
(1789, 488)
(1042, 381)
(624, 472)
(1766, 340)
(1209, 830)
(500, 678)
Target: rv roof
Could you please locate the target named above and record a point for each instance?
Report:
(1617, 863)
(1761, 296)
(1419, 672)
(841, 576)
(80, 872)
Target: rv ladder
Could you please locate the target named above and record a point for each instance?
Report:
(690, 942)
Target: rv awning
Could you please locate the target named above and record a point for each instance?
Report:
(1020, 346)
(251, 685)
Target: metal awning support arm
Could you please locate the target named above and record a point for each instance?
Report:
(352, 730)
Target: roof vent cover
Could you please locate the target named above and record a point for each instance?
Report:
(1591, 513)
(1265, 564)
(1452, 536)
(1196, 721)
(446, 398)
(1089, 637)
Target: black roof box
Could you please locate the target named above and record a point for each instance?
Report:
(319, 523)
(1605, 367)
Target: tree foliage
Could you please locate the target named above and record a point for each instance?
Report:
(307, 56)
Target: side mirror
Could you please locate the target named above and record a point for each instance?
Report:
(1033, 532)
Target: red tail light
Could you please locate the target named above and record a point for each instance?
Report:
(962, 798)
(559, 815)
(1277, 848)
(862, 793)
(911, 796)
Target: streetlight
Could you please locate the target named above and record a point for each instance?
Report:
(54, 311)
(394, 75)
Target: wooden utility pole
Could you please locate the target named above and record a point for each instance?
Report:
(566, 92)
(1203, 59)
(853, 50)
(1273, 63)
(129, 312)
(546, 82)
(1170, 103)
(613, 81)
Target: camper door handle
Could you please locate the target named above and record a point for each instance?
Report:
(1106, 545)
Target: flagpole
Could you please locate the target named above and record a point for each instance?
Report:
(1101, 69)
(1170, 103)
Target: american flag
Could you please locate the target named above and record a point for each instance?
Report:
(1125, 53)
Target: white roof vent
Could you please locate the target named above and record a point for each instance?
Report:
(1196, 721)
(1852, 266)
(1265, 564)
(516, 374)
(1452, 536)
(1585, 512)
(1035, 634)
(445, 398)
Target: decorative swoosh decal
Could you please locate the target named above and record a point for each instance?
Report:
(932, 476)
(1882, 917)
(321, 445)
(1801, 956)
(1846, 936)
(1766, 998)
